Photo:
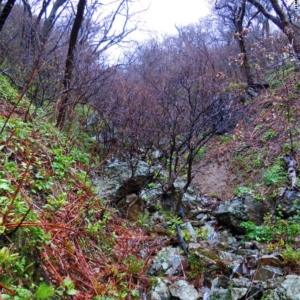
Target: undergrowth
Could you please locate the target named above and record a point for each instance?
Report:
(56, 237)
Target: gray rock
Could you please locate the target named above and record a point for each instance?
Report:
(267, 272)
(161, 290)
(167, 262)
(151, 193)
(291, 285)
(118, 179)
(288, 289)
(272, 284)
(273, 295)
(183, 290)
(232, 260)
(130, 207)
(270, 260)
(289, 203)
(240, 209)
(209, 230)
(240, 282)
(221, 282)
(188, 226)
(237, 293)
(201, 216)
(220, 295)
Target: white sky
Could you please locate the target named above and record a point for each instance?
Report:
(162, 15)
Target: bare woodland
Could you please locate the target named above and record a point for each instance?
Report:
(171, 94)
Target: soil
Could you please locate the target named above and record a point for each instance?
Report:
(215, 178)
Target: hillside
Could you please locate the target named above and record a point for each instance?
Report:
(60, 240)
(57, 238)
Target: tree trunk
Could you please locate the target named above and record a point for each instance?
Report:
(245, 66)
(5, 12)
(281, 20)
(64, 105)
(48, 23)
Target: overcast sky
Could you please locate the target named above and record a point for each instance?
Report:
(162, 15)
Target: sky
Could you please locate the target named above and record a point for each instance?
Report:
(158, 18)
(163, 15)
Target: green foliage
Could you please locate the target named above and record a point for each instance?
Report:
(143, 219)
(67, 288)
(258, 233)
(270, 134)
(55, 203)
(246, 191)
(134, 264)
(201, 152)
(44, 291)
(172, 223)
(196, 265)
(274, 175)
(291, 255)
(275, 229)
(6, 258)
(7, 92)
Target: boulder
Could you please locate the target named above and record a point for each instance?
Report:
(240, 209)
(289, 289)
(131, 206)
(168, 261)
(118, 179)
(291, 285)
(161, 290)
(289, 203)
(267, 272)
(182, 290)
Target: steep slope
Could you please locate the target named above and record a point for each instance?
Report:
(249, 161)
(57, 239)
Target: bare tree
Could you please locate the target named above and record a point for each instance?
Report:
(63, 105)
(235, 11)
(283, 19)
(182, 84)
(5, 12)
(50, 20)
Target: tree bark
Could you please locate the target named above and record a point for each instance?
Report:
(5, 12)
(282, 22)
(292, 169)
(63, 107)
(48, 23)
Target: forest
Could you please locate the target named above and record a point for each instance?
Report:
(225, 88)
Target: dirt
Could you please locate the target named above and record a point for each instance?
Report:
(215, 178)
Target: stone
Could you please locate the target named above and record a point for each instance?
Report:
(151, 193)
(168, 261)
(267, 272)
(117, 179)
(220, 295)
(270, 260)
(238, 293)
(193, 236)
(161, 290)
(240, 209)
(273, 295)
(291, 285)
(240, 282)
(221, 282)
(289, 203)
(232, 260)
(209, 230)
(182, 290)
(131, 207)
